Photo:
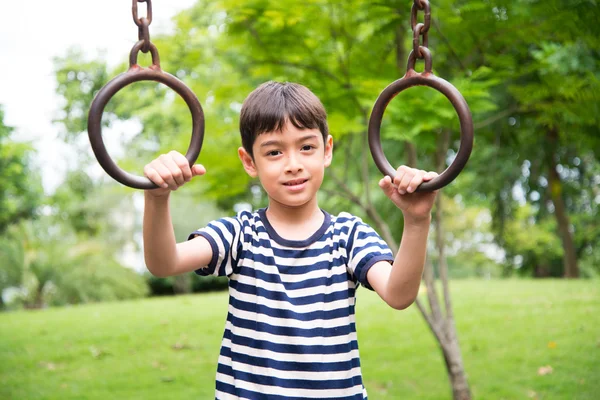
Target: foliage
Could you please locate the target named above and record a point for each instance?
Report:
(533, 243)
(519, 74)
(95, 209)
(78, 82)
(546, 56)
(20, 185)
(199, 284)
(52, 266)
(471, 250)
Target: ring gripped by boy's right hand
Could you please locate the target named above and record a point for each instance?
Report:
(171, 171)
(416, 207)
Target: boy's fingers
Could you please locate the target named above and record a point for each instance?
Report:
(429, 176)
(183, 164)
(405, 181)
(415, 181)
(154, 176)
(400, 172)
(173, 168)
(165, 174)
(198, 169)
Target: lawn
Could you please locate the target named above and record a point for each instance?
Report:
(166, 348)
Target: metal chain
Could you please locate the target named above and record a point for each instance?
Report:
(420, 29)
(143, 23)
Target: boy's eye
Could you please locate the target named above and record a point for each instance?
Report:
(273, 153)
(307, 147)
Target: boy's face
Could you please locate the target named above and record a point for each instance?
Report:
(290, 164)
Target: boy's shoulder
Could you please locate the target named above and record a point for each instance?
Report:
(346, 225)
(345, 217)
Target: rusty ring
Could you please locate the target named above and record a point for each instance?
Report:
(136, 74)
(410, 79)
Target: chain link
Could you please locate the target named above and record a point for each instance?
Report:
(144, 35)
(143, 23)
(134, 9)
(420, 29)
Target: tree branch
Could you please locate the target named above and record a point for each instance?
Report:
(437, 332)
(443, 144)
(447, 43)
(494, 118)
(301, 66)
(432, 296)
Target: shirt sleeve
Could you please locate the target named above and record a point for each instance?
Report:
(365, 248)
(224, 237)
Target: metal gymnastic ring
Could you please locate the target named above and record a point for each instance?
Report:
(426, 78)
(136, 74)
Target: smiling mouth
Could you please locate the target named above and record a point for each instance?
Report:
(296, 182)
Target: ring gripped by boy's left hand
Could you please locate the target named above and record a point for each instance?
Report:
(416, 206)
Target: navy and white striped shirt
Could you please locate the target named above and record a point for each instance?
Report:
(290, 330)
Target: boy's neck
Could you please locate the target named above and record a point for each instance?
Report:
(280, 215)
(293, 215)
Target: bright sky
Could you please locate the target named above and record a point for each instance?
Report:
(32, 33)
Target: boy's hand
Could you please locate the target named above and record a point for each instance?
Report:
(170, 171)
(416, 207)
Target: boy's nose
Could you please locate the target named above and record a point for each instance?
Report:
(293, 165)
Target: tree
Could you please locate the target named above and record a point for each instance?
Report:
(56, 267)
(549, 67)
(20, 184)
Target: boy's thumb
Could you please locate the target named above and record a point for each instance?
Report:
(198, 169)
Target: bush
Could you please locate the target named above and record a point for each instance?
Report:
(200, 284)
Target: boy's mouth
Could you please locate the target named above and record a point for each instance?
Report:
(295, 182)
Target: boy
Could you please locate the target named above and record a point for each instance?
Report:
(293, 269)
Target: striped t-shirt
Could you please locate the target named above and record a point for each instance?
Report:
(290, 331)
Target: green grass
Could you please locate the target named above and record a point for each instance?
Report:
(166, 348)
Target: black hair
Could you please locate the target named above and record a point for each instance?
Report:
(271, 105)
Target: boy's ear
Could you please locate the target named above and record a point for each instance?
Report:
(328, 150)
(247, 162)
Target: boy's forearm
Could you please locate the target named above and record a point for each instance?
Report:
(405, 276)
(160, 251)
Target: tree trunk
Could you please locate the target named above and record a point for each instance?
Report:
(541, 271)
(411, 154)
(571, 269)
(400, 53)
(441, 325)
(441, 322)
(449, 342)
(38, 300)
(455, 365)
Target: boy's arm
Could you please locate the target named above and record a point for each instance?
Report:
(163, 255)
(398, 284)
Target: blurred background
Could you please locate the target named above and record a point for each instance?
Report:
(510, 305)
